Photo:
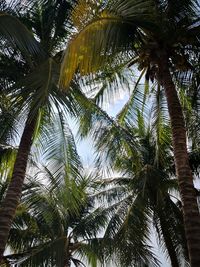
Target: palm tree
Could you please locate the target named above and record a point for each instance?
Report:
(31, 81)
(56, 222)
(145, 196)
(14, 35)
(161, 38)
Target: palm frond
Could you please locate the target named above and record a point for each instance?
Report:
(160, 126)
(45, 254)
(49, 20)
(107, 30)
(57, 147)
(130, 110)
(19, 36)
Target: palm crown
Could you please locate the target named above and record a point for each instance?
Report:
(143, 30)
(30, 82)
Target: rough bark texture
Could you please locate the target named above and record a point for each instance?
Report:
(13, 194)
(183, 171)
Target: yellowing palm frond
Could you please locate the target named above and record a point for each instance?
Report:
(103, 32)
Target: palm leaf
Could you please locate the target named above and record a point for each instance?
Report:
(106, 31)
(18, 35)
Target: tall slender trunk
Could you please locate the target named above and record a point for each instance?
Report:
(13, 194)
(187, 191)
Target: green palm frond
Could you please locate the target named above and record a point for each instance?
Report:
(129, 111)
(18, 35)
(49, 253)
(95, 121)
(57, 147)
(91, 252)
(110, 195)
(91, 225)
(56, 218)
(160, 126)
(7, 160)
(168, 221)
(105, 87)
(117, 230)
(49, 20)
(129, 227)
(105, 131)
(9, 132)
(186, 7)
(37, 86)
(194, 157)
(3, 188)
(8, 115)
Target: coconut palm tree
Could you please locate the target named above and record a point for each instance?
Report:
(146, 196)
(31, 81)
(56, 222)
(161, 38)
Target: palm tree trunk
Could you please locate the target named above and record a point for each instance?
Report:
(13, 194)
(183, 171)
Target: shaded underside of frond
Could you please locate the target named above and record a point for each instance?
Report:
(19, 36)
